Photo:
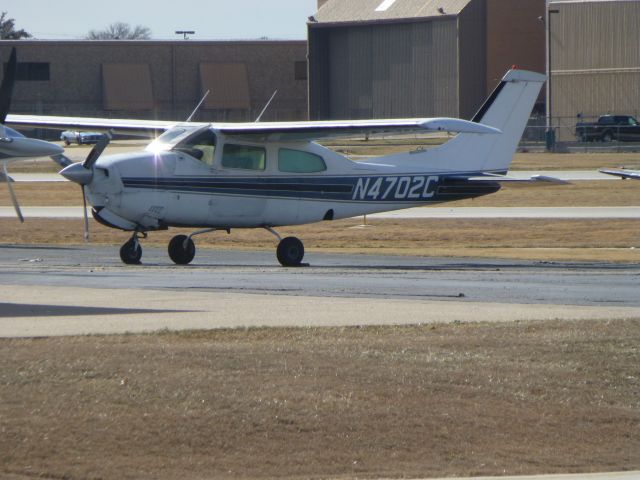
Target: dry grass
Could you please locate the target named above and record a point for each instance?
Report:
(597, 240)
(430, 401)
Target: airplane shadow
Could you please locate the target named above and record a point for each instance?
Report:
(31, 310)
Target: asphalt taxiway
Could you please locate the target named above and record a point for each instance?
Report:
(81, 290)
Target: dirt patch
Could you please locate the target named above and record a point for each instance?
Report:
(430, 401)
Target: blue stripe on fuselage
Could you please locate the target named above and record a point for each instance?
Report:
(378, 188)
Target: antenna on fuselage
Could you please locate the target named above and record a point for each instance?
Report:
(266, 106)
(195, 110)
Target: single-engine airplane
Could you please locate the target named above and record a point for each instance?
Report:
(265, 175)
(13, 145)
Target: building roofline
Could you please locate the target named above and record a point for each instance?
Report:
(148, 42)
(382, 21)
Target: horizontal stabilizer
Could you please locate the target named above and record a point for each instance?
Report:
(545, 179)
(624, 174)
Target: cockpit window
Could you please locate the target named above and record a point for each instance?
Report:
(201, 146)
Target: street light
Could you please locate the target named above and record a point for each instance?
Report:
(185, 33)
(549, 134)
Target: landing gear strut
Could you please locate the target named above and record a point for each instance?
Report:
(182, 250)
(131, 251)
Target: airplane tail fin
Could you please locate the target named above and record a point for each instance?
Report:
(508, 108)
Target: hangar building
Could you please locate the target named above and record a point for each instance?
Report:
(160, 79)
(414, 58)
(595, 60)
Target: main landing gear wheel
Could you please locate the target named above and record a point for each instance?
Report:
(290, 252)
(181, 249)
(131, 252)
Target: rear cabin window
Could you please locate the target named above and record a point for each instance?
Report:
(244, 157)
(296, 161)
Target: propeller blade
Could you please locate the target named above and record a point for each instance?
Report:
(14, 199)
(6, 89)
(62, 160)
(96, 151)
(86, 217)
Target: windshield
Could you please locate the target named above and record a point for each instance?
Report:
(200, 145)
(169, 139)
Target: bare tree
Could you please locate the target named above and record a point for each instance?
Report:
(8, 29)
(120, 31)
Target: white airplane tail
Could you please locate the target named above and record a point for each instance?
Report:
(508, 109)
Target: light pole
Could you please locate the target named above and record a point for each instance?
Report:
(185, 33)
(549, 133)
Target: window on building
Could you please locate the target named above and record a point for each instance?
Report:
(245, 157)
(31, 71)
(300, 70)
(296, 161)
(127, 86)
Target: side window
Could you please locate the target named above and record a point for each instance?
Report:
(296, 161)
(245, 157)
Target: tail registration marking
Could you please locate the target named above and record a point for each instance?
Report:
(418, 187)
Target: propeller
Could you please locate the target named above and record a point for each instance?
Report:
(6, 88)
(6, 91)
(14, 199)
(82, 174)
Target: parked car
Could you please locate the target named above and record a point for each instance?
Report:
(624, 128)
(81, 138)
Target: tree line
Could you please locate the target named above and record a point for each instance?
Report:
(115, 31)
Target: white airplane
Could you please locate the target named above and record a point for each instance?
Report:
(265, 175)
(622, 173)
(13, 145)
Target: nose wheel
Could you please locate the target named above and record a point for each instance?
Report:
(131, 251)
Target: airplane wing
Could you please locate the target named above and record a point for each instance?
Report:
(308, 131)
(261, 131)
(624, 174)
(124, 126)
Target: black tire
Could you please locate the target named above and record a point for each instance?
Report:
(607, 137)
(290, 252)
(67, 142)
(177, 251)
(131, 252)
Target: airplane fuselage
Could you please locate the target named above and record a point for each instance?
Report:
(224, 176)
(166, 188)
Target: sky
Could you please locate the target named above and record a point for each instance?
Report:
(211, 19)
